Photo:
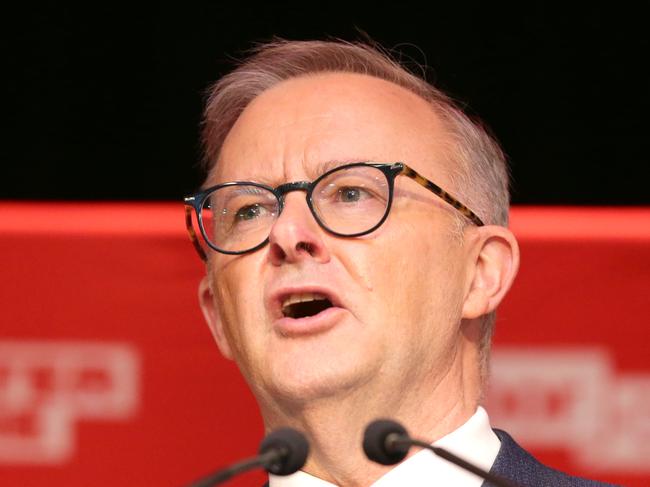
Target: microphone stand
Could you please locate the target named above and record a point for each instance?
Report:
(250, 463)
(282, 452)
(397, 440)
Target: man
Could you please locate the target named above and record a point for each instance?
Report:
(357, 249)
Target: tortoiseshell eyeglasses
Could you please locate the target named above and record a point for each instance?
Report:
(348, 201)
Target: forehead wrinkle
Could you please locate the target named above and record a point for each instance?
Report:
(329, 164)
(313, 173)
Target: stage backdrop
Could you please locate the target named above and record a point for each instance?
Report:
(108, 375)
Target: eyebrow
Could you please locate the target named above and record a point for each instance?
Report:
(245, 190)
(325, 166)
(321, 168)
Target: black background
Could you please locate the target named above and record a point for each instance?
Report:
(103, 102)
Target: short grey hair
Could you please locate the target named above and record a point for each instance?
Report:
(479, 173)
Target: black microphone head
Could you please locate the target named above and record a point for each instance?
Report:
(376, 446)
(292, 449)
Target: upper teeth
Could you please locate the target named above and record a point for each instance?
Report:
(301, 298)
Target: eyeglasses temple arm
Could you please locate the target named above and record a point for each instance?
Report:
(190, 230)
(438, 191)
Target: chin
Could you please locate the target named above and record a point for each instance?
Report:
(302, 381)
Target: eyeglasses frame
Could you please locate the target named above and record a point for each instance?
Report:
(194, 202)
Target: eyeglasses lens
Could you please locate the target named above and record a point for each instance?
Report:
(239, 217)
(351, 200)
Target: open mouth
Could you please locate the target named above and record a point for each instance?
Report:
(304, 305)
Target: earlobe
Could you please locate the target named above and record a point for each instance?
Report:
(211, 315)
(494, 269)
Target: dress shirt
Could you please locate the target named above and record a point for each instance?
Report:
(474, 441)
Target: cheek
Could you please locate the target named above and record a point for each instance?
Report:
(240, 304)
(419, 276)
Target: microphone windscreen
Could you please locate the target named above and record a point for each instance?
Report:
(292, 448)
(376, 446)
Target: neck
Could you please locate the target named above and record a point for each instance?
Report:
(334, 425)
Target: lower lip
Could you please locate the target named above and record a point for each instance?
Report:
(310, 325)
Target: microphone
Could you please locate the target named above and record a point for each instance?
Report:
(387, 442)
(282, 452)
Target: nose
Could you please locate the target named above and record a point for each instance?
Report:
(296, 235)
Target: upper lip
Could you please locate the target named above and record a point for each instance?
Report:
(275, 298)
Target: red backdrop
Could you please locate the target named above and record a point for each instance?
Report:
(108, 375)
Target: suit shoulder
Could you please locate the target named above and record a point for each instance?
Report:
(516, 464)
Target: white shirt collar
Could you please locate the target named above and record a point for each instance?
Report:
(474, 441)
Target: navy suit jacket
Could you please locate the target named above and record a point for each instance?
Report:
(520, 467)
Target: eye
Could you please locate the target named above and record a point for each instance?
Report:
(350, 194)
(250, 212)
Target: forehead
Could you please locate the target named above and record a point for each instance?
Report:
(304, 126)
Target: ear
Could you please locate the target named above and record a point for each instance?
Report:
(494, 269)
(212, 317)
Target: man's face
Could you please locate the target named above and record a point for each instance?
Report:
(397, 292)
